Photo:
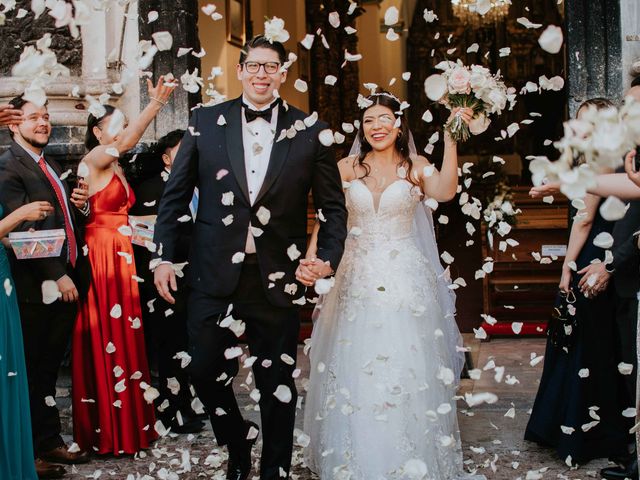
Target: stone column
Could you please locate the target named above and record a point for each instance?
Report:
(180, 18)
(593, 46)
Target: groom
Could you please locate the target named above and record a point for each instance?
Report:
(254, 178)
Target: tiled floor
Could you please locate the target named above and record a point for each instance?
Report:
(506, 455)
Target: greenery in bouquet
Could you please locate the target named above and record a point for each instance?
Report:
(474, 87)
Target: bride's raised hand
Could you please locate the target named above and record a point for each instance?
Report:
(464, 113)
(161, 91)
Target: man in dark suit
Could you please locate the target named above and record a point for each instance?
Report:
(254, 160)
(26, 176)
(166, 334)
(624, 272)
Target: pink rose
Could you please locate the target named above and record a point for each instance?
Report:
(459, 80)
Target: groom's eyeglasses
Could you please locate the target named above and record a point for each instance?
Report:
(269, 67)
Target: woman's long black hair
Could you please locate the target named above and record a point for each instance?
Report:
(402, 142)
(90, 139)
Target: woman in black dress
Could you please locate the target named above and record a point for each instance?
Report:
(576, 410)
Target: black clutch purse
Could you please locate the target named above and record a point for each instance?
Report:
(562, 325)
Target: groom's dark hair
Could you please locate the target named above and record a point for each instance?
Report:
(260, 41)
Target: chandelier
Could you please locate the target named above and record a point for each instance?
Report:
(468, 11)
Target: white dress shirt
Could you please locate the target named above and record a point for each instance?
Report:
(257, 140)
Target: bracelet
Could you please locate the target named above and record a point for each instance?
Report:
(159, 101)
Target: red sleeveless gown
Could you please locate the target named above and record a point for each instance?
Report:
(109, 362)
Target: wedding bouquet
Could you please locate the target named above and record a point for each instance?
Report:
(472, 87)
(500, 211)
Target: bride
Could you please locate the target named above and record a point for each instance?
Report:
(385, 350)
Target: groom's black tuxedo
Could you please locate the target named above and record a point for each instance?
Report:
(296, 166)
(212, 158)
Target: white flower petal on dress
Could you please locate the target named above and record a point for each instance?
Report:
(551, 39)
(435, 86)
(324, 285)
(116, 311)
(414, 468)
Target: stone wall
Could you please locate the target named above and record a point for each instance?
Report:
(16, 34)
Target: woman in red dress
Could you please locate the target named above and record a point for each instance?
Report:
(113, 410)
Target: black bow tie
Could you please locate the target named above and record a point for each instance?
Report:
(250, 115)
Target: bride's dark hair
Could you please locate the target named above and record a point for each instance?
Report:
(385, 99)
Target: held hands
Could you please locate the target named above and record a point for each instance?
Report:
(80, 195)
(161, 91)
(598, 272)
(312, 269)
(164, 277)
(9, 115)
(464, 113)
(629, 161)
(34, 211)
(67, 289)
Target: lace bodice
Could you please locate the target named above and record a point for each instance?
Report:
(393, 218)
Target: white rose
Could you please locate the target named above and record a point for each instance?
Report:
(497, 99)
(274, 30)
(459, 80)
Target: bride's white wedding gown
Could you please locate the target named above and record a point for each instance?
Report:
(380, 398)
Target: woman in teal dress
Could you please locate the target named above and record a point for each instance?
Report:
(16, 444)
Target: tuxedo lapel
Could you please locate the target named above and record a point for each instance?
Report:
(29, 163)
(235, 147)
(278, 152)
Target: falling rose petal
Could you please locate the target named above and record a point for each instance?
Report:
(120, 386)
(8, 288)
(613, 209)
(474, 47)
(238, 257)
(527, 23)
(150, 394)
(429, 16)
(603, 240)
(293, 252)
(163, 40)
(391, 16)
(227, 198)
(435, 86)
(307, 41)
(324, 285)
(110, 348)
(516, 327)
(184, 357)
(392, 35)
(50, 292)
(49, 401)
(629, 412)
(118, 371)
(326, 137)
(352, 57)
(483, 6)
(334, 19)
(330, 80)
(427, 116)
(116, 311)
(583, 372)
(283, 393)
(625, 368)
(152, 16)
(300, 85)
(232, 352)
(551, 39)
